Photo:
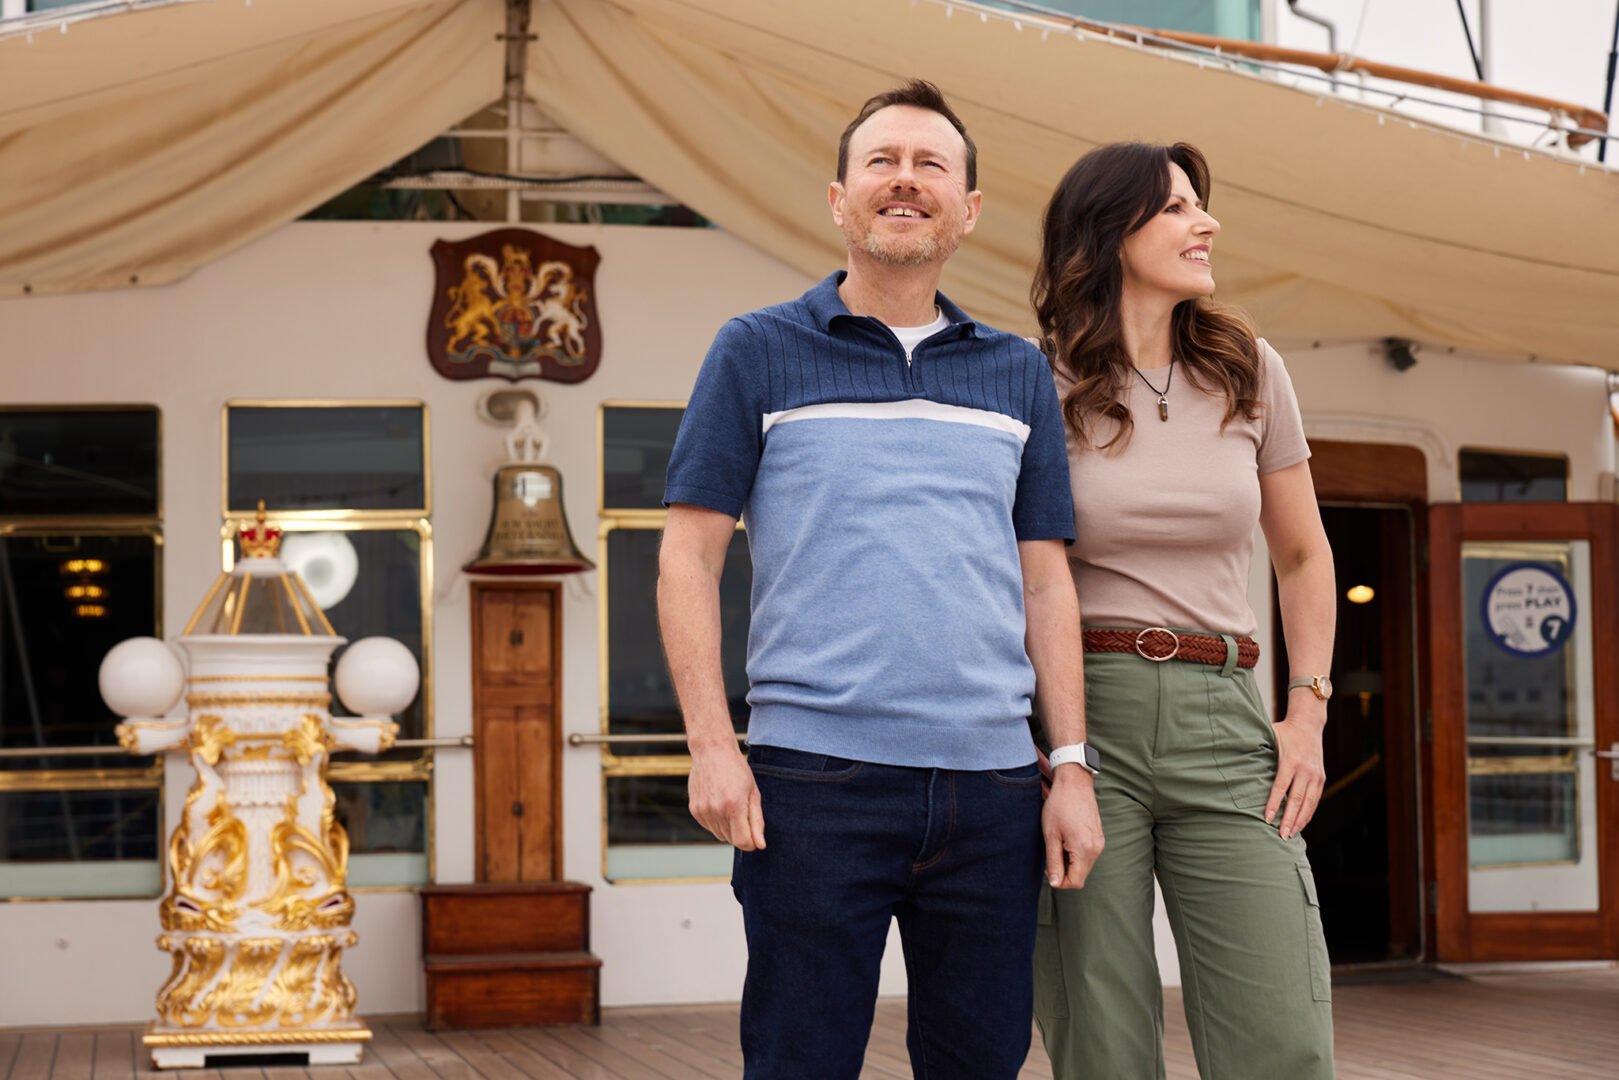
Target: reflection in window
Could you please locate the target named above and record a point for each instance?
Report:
(80, 843)
(343, 457)
(387, 826)
(368, 582)
(636, 442)
(65, 601)
(366, 467)
(1488, 476)
(80, 551)
(640, 694)
(77, 462)
(1530, 718)
(652, 836)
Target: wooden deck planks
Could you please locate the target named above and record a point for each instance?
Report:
(1549, 1026)
(36, 1053)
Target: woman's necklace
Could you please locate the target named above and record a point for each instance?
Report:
(1163, 400)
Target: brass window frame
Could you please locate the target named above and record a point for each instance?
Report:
(134, 777)
(416, 519)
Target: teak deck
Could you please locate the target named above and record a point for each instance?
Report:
(1551, 1026)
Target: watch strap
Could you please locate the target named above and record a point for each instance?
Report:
(1082, 754)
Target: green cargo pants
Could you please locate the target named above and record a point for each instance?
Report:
(1188, 759)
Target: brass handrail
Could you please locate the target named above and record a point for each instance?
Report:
(1593, 121)
(580, 738)
(15, 752)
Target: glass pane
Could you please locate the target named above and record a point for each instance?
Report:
(340, 458)
(651, 834)
(635, 455)
(387, 827)
(1530, 727)
(640, 696)
(77, 462)
(1492, 477)
(368, 582)
(64, 602)
(79, 843)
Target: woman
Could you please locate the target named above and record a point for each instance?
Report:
(1183, 432)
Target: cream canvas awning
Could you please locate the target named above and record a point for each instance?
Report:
(1340, 221)
(142, 144)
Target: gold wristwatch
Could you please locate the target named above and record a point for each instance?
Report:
(1319, 685)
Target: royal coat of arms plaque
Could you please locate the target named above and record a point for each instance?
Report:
(515, 304)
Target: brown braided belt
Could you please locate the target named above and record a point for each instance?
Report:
(1158, 643)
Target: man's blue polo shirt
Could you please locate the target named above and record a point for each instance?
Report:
(884, 499)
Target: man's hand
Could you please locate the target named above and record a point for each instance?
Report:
(724, 798)
(1072, 826)
(1301, 775)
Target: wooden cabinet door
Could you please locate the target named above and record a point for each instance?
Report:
(516, 697)
(1524, 618)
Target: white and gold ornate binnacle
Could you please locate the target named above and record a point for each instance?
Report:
(256, 915)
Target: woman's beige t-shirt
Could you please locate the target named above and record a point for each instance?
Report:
(1166, 527)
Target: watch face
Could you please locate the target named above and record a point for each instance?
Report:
(1324, 687)
(1092, 758)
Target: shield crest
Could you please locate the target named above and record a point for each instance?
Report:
(514, 304)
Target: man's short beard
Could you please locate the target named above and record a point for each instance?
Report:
(904, 251)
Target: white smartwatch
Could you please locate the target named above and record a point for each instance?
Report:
(1082, 754)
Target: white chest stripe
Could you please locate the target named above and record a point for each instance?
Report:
(914, 409)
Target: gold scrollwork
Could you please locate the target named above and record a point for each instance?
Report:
(198, 961)
(237, 1000)
(308, 986)
(210, 737)
(332, 908)
(308, 740)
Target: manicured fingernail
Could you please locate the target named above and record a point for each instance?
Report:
(1055, 880)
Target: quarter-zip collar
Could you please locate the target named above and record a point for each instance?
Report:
(828, 307)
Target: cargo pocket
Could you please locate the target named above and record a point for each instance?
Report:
(1241, 739)
(1050, 992)
(1320, 964)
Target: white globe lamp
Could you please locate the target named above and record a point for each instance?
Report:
(377, 676)
(142, 677)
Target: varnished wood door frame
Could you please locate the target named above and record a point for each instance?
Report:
(1568, 935)
(478, 589)
(1393, 476)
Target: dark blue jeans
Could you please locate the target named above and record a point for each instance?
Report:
(956, 857)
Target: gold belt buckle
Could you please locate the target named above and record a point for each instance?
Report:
(1173, 652)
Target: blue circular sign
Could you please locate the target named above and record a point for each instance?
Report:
(1528, 609)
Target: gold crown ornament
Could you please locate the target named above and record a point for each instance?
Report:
(261, 540)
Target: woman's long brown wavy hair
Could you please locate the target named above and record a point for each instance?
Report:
(1110, 193)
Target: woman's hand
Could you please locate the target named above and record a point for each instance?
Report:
(1301, 775)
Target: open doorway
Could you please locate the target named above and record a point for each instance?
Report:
(1363, 840)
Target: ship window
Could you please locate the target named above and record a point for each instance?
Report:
(1499, 476)
(650, 834)
(348, 482)
(80, 571)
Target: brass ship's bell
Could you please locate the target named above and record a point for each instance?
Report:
(528, 532)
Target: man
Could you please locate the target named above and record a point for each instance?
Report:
(906, 487)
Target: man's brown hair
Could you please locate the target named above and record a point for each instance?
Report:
(919, 94)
